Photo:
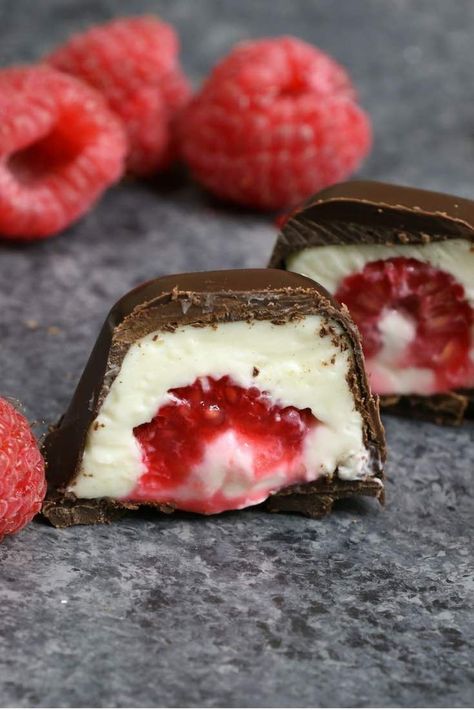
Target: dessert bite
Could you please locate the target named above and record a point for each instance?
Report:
(402, 261)
(216, 391)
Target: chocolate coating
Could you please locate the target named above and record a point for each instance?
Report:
(197, 300)
(365, 212)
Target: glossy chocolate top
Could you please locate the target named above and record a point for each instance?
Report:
(197, 300)
(364, 212)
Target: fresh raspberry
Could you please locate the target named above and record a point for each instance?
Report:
(176, 440)
(22, 479)
(276, 121)
(134, 63)
(60, 147)
(434, 301)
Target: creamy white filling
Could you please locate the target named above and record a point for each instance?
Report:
(397, 332)
(330, 265)
(386, 372)
(292, 362)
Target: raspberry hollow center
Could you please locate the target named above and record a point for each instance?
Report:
(52, 153)
(415, 315)
(217, 446)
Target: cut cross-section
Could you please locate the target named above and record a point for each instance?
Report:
(218, 446)
(217, 391)
(432, 316)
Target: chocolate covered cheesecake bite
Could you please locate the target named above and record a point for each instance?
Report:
(217, 391)
(402, 261)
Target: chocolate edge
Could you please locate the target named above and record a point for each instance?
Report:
(373, 213)
(314, 500)
(445, 408)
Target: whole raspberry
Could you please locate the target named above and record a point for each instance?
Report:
(22, 479)
(275, 122)
(60, 147)
(134, 63)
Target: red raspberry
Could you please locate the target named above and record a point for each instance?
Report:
(133, 62)
(175, 441)
(22, 479)
(276, 121)
(432, 298)
(60, 147)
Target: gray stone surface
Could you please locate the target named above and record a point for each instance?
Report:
(365, 608)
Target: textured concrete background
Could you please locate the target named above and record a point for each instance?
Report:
(365, 608)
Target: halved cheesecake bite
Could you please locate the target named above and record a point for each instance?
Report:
(217, 391)
(402, 261)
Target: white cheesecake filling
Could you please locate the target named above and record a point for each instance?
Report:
(330, 265)
(293, 363)
(387, 374)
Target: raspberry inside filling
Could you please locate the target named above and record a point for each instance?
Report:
(411, 315)
(217, 446)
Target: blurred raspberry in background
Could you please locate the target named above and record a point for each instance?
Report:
(276, 121)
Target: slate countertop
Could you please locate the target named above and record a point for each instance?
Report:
(368, 607)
